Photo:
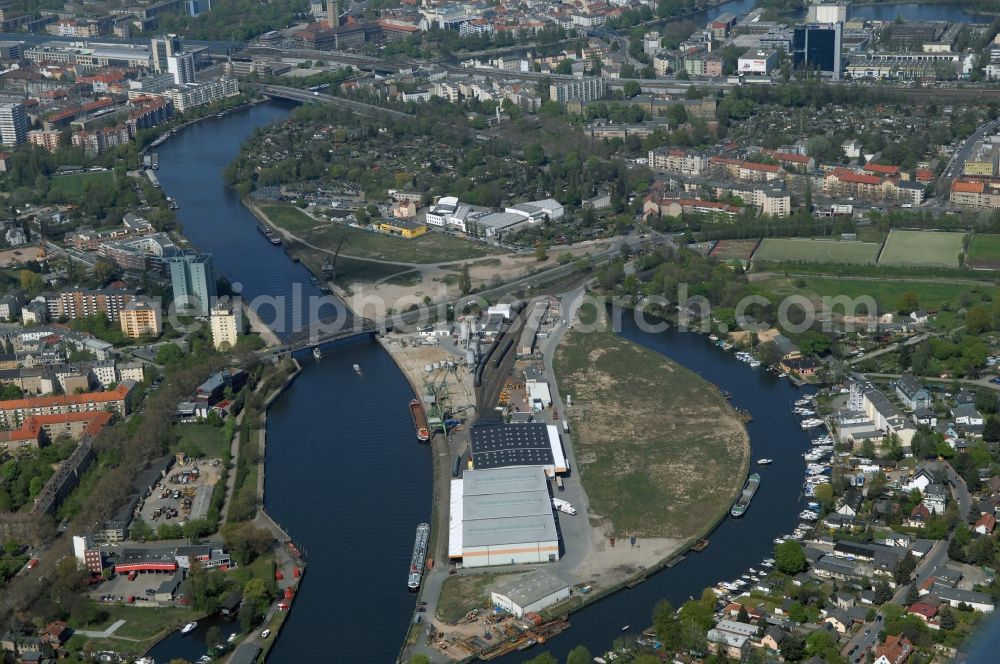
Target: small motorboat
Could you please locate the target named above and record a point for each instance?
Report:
(764, 462)
(188, 628)
(626, 628)
(317, 353)
(357, 368)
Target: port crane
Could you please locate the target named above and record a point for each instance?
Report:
(330, 265)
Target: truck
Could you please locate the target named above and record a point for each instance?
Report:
(563, 506)
(132, 575)
(559, 483)
(565, 425)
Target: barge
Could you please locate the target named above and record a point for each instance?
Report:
(743, 502)
(419, 557)
(419, 421)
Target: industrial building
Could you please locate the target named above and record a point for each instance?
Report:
(529, 594)
(495, 444)
(502, 516)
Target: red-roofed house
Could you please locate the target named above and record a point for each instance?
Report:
(790, 159)
(985, 525)
(881, 169)
(753, 172)
(918, 517)
(968, 192)
(923, 610)
(895, 650)
(924, 175)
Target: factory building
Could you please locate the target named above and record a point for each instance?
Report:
(502, 516)
(528, 594)
(498, 445)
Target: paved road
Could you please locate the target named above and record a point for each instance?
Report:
(860, 644)
(975, 382)
(103, 634)
(912, 341)
(954, 168)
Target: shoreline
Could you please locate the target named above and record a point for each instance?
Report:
(440, 490)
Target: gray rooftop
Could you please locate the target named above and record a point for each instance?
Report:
(505, 505)
(525, 590)
(510, 530)
(503, 480)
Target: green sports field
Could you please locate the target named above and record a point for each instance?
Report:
(785, 250)
(984, 252)
(922, 249)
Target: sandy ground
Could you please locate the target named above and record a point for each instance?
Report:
(412, 357)
(607, 565)
(18, 256)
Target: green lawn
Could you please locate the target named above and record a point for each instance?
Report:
(931, 294)
(72, 185)
(782, 250)
(201, 440)
(659, 451)
(289, 217)
(984, 251)
(431, 247)
(143, 625)
(922, 249)
(461, 594)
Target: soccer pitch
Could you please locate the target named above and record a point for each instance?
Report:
(798, 250)
(922, 249)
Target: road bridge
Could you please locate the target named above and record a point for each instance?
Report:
(308, 97)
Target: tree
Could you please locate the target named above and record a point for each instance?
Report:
(947, 618)
(819, 643)
(31, 282)
(667, 625)
(421, 658)
(907, 302)
(579, 655)
(213, 636)
(793, 648)
(991, 430)
(631, 89)
(883, 593)
(905, 568)
(169, 353)
(790, 558)
(544, 658)
(978, 320)
(912, 595)
(464, 280)
(540, 252)
(797, 612)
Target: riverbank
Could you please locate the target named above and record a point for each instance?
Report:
(661, 454)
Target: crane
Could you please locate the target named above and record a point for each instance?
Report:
(330, 266)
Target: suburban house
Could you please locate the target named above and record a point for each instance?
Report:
(895, 650)
(985, 524)
(936, 498)
(966, 414)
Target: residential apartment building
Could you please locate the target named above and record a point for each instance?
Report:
(586, 89)
(181, 67)
(226, 322)
(14, 412)
(141, 318)
(13, 124)
(49, 139)
(193, 280)
(980, 194)
(672, 160)
(191, 95)
(80, 303)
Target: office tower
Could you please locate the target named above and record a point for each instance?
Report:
(817, 48)
(13, 124)
(163, 47)
(193, 281)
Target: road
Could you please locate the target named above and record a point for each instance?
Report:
(960, 156)
(305, 96)
(912, 341)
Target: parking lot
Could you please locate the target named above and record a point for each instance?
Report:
(120, 589)
(184, 494)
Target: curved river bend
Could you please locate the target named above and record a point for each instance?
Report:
(346, 478)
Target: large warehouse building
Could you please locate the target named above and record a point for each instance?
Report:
(499, 445)
(502, 516)
(528, 594)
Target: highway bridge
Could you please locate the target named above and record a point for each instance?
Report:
(307, 97)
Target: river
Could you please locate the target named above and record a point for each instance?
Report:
(346, 479)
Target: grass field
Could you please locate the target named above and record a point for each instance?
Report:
(72, 185)
(142, 627)
(931, 294)
(201, 440)
(984, 251)
(289, 217)
(660, 452)
(734, 250)
(428, 248)
(922, 248)
(783, 250)
(461, 594)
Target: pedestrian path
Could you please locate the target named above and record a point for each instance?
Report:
(100, 635)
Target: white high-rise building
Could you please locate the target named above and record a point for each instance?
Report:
(181, 67)
(827, 12)
(13, 124)
(227, 323)
(163, 47)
